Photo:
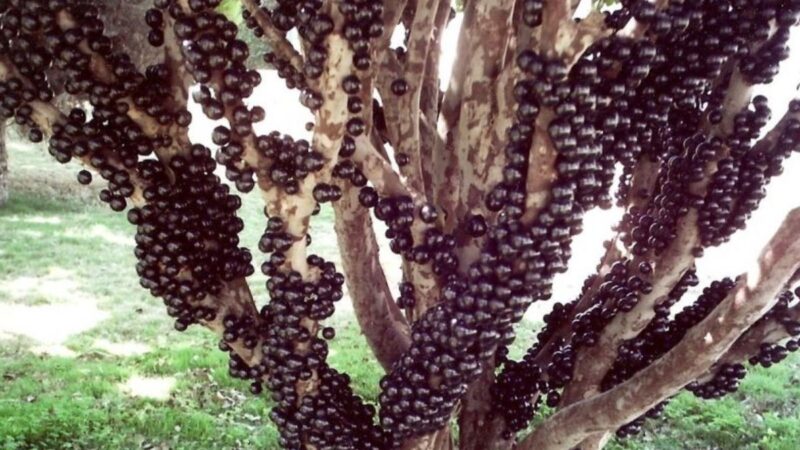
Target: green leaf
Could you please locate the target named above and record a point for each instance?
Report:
(232, 9)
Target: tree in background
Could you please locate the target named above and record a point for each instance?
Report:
(482, 188)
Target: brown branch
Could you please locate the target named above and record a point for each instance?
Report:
(485, 166)
(541, 167)
(379, 317)
(275, 38)
(479, 427)
(387, 182)
(540, 178)
(392, 14)
(669, 266)
(755, 292)
(770, 140)
(445, 159)
(379, 172)
(749, 343)
(328, 134)
(565, 41)
(672, 264)
(403, 112)
(234, 298)
(404, 120)
(47, 117)
(102, 72)
(556, 27)
(479, 106)
(469, 108)
(180, 78)
(430, 139)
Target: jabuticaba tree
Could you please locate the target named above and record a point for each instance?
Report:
(494, 176)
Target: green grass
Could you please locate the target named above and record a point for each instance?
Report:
(65, 261)
(51, 402)
(64, 255)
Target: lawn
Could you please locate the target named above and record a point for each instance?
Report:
(89, 360)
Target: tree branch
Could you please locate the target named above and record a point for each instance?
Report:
(754, 294)
(272, 36)
(379, 317)
(763, 332)
(479, 107)
(403, 112)
(47, 117)
(430, 140)
(380, 173)
(669, 267)
(234, 298)
(469, 108)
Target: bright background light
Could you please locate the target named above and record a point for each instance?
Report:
(285, 114)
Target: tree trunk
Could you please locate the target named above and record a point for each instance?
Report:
(3, 165)
(439, 440)
(479, 429)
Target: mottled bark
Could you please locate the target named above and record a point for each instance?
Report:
(469, 108)
(455, 150)
(755, 292)
(479, 428)
(272, 36)
(479, 107)
(670, 265)
(379, 318)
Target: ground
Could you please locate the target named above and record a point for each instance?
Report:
(89, 360)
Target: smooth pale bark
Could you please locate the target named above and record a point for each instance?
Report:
(379, 317)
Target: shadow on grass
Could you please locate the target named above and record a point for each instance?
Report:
(53, 403)
(135, 383)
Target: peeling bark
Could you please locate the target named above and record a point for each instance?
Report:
(749, 343)
(272, 36)
(754, 294)
(670, 265)
(479, 428)
(379, 318)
